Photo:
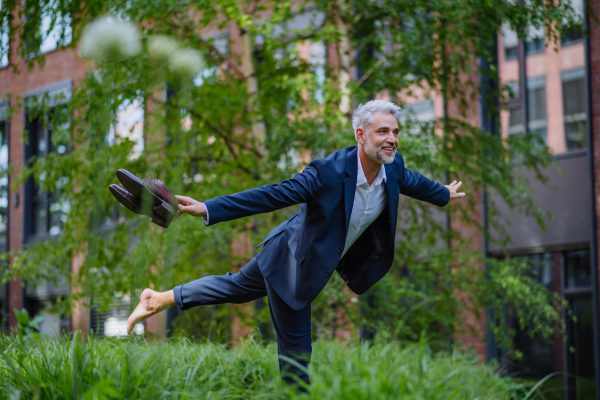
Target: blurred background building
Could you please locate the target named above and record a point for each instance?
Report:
(555, 93)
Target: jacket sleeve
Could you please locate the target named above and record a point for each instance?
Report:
(299, 189)
(420, 187)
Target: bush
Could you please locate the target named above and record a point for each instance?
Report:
(135, 369)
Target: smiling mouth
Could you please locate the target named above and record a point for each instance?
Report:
(389, 149)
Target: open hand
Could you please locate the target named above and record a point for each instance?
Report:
(190, 206)
(453, 188)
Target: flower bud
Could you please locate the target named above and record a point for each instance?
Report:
(107, 39)
(186, 62)
(162, 48)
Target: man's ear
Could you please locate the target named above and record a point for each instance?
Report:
(360, 135)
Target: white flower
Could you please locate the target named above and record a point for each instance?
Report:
(107, 38)
(186, 62)
(162, 48)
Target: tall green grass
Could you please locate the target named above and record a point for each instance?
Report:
(134, 369)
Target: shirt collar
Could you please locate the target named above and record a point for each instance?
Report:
(361, 179)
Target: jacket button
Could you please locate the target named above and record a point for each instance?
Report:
(339, 250)
(327, 274)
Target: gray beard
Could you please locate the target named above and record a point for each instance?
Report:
(376, 155)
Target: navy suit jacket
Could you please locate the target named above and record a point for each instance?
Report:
(300, 254)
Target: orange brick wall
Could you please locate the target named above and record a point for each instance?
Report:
(60, 65)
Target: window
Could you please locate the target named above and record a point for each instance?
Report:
(536, 104)
(574, 109)
(4, 47)
(46, 213)
(538, 353)
(54, 28)
(221, 44)
(318, 53)
(574, 34)
(577, 277)
(511, 53)
(3, 183)
(534, 44)
(129, 125)
(569, 273)
(571, 36)
(420, 113)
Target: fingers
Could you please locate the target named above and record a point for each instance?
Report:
(185, 208)
(184, 199)
(458, 185)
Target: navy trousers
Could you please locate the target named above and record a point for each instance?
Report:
(293, 327)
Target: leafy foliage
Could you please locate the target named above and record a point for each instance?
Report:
(240, 125)
(116, 369)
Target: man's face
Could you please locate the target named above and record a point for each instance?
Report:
(381, 139)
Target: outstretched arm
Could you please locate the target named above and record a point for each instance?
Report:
(299, 189)
(418, 186)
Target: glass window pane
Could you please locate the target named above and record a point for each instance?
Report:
(581, 337)
(578, 269)
(58, 213)
(39, 217)
(574, 109)
(536, 100)
(515, 121)
(52, 35)
(574, 96)
(4, 49)
(48, 134)
(538, 354)
(3, 186)
(534, 46)
(510, 53)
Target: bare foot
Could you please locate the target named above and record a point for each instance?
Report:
(150, 304)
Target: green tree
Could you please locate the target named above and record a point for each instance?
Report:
(255, 109)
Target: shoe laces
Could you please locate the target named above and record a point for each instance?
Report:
(151, 177)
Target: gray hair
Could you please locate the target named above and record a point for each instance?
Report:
(363, 115)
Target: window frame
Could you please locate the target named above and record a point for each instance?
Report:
(61, 42)
(572, 75)
(57, 95)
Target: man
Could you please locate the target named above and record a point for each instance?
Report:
(347, 223)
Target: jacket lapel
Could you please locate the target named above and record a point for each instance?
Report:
(350, 184)
(393, 194)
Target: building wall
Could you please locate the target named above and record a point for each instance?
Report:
(594, 86)
(60, 65)
(595, 111)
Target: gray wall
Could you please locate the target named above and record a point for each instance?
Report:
(569, 204)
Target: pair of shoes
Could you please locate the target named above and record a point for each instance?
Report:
(148, 197)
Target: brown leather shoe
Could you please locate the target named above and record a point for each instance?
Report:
(136, 205)
(164, 202)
